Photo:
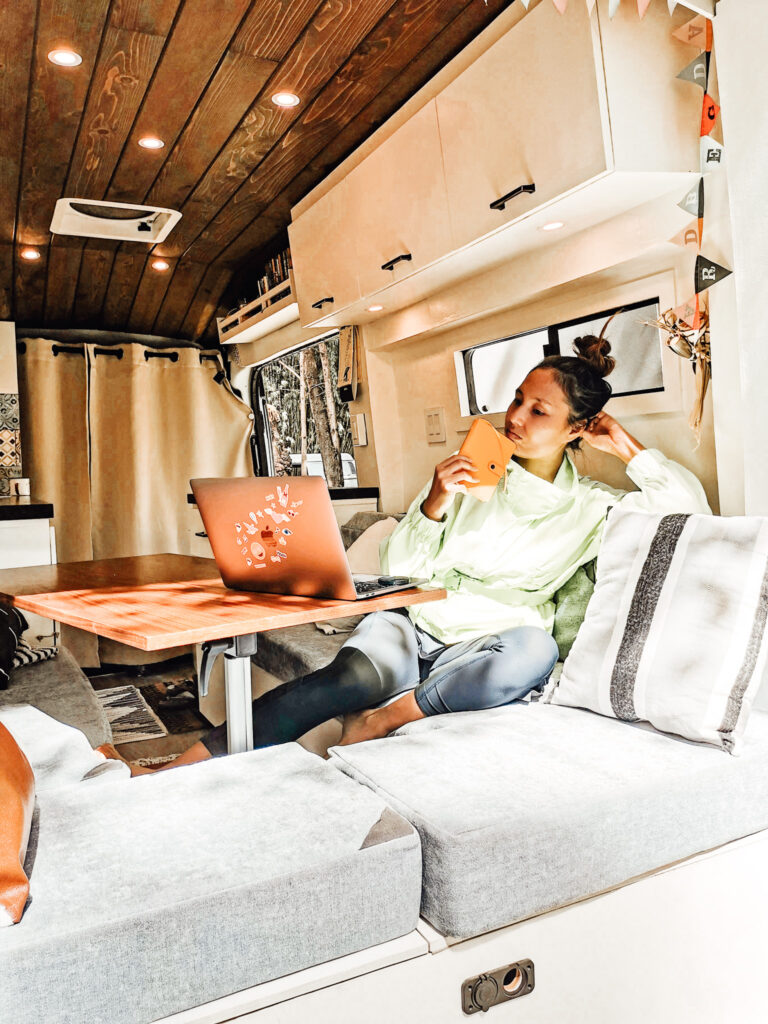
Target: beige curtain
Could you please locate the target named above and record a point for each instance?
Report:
(54, 445)
(152, 423)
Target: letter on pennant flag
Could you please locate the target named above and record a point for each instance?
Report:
(689, 313)
(693, 201)
(642, 6)
(711, 154)
(697, 32)
(709, 113)
(708, 273)
(690, 235)
(697, 71)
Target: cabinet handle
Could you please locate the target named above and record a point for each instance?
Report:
(404, 257)
(499, 204)
(319, 303)
(201, 533)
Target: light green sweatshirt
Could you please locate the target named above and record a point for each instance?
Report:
(502, 561)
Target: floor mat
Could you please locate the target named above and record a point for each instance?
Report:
(182, 718)
(130, 716)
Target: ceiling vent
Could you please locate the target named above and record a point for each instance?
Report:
(121, 222)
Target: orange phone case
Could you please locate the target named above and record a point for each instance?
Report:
(490, 451)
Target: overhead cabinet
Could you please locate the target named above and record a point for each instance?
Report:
(574, 117)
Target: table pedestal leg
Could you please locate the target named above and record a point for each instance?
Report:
(237, 679)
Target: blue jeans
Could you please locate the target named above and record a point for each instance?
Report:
(388, 656)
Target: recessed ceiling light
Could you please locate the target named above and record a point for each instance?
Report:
(30, 254)
(375, 309)
(160, 264)
(555, 225)
(65, 58)
(286, 99)
(151, 142)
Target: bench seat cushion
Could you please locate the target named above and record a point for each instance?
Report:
(61, 689)
(156, 894)
(292, 652)
(526, 808)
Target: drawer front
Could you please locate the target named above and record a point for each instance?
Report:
(25, 542)
(531, 110)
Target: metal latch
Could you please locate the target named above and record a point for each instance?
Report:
(231, 647)
(499, 986)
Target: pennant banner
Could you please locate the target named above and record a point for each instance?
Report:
(711, 154)
(693, 201)
(697, 71)
(642, 6)
(709, 113)
(708, 273)
(689, 313)
(697, 32)
(560, 5)
(613, 6)
(690, 235)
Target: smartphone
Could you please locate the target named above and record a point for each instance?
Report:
(490, 451)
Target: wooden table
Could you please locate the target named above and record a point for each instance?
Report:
(154, 602)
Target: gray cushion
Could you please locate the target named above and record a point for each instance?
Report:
(359, 523)
(60, 689)
(288, 653)
(521, 810)
(155, 894)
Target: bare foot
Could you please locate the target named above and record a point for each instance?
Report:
(112, 755)
(360, 726)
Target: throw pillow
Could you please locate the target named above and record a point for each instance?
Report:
(12, 625)
(17, 799)
(571, 602)
(675, 632)
(363, 554)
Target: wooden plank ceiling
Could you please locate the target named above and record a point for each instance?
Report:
(198, 74)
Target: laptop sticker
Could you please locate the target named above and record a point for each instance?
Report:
(258, 541)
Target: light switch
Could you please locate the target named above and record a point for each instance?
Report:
(357, 428)
(435, 420)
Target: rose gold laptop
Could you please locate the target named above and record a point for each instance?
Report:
(279, 535)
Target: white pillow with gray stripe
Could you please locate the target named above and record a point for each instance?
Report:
(675, 632)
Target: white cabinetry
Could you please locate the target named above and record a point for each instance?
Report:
(26, 542)
(530, 111)
(326, 279)
(399, 205)
(584, 107)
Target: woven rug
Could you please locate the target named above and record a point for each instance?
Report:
(130, 717)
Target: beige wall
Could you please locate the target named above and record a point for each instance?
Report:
(8, 380)
(409, 376)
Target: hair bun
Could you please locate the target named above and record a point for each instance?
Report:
(596, 352)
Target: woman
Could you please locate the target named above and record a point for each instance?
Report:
(501, 562)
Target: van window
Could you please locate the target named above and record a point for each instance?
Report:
(489, 373)
(305, 424)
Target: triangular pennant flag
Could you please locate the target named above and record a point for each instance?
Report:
(690, 235)
(591, 5)
(697, 71)
(560, 5)
(613, 6)
(693, 201)
(525, 3)
(708, 273)
(642, 6)
(709, 113)
(689, 313)
(697, 32)
(711, 154)
(671, 4)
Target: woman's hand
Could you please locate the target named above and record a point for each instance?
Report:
(607, 435)
(451, 477)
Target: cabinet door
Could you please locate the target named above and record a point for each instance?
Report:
(399, 203)
(531, 110)
(324, 256)
(29, 542)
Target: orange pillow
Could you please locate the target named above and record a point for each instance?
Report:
(17, 801)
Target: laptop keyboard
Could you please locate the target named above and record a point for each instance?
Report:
(363, 587)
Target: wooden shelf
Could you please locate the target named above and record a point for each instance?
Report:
(272, 310)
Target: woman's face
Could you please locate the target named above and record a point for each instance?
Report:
(537, 419)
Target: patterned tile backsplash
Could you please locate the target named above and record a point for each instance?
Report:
(10, 443)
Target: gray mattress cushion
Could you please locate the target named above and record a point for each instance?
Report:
(155, 894)
(521, 810)
(60, 689)
(294, 651)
